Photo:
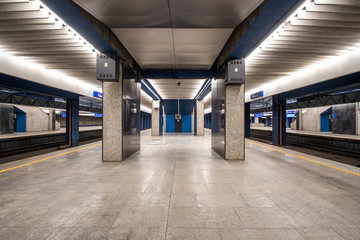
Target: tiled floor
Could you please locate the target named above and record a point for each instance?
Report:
(177, 188)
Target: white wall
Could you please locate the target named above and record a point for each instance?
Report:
(36, 119)
(311, 118)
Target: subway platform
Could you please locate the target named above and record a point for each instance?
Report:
(176, 187)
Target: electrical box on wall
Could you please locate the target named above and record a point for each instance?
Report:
(235, 72)
(156, 104)
(107, 68)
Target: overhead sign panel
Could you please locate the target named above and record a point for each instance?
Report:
(257, 95)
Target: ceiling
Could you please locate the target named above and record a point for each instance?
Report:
(172, 34)
(169, 88)
(35, 34)
(322, 30)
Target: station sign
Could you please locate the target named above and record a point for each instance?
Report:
(257, 95)
(98, 115)
(97, 94)
(259, 115)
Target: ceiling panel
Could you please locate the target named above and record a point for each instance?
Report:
(29, 30)
(177, 34)
(320, 30)
(169, 89)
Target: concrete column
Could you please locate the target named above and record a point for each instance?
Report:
(164, 127)
(72, 122)
(112, 121)
(51, 119)
(155, 118)
(200, 118)
(279, 121)
(247, 119)
(235, 122)
(357, 105)
(256, 120)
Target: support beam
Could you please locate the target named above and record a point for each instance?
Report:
(279, 121)
(111, 38)
(72, 122)
(237, 34)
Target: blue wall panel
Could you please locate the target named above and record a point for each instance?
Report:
(170, 123)
(186, 107)
(20, 120)
(186, 123)
(324, 120)
(171, 107)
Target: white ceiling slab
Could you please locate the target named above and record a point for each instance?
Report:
(172, 34)
(173, 48)
(169, 88)
(316, 32)
(30, 31)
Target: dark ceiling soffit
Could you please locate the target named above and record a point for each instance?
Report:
(178, 74)
(149, 89)
(204, 90)
(111, 38)
(236, 35)
(12, 82)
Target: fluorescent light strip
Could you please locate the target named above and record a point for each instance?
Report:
(151, 90)
(275, 33)
(80, 38)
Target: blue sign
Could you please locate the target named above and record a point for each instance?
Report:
(260, 115)
(97, 94)
(64, 115)
(257, 95)
(291, 115)
(291, 112)
(98, 115)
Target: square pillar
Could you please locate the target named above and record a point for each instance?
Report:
(52, 123)
(235, 122)
(200, 118)
(112, 121)
(72, 122)
(279, 121)
(247, 119)
(155, 118)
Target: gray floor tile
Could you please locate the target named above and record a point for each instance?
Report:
(183, 217)
(192, 233)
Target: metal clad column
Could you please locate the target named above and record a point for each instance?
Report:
(112, 121)
(235, 122)
(200, 118)
(72, 122)
(247, 120)
(279, 121)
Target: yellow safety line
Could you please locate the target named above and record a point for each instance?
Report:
(62, 154)
(306, 159)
